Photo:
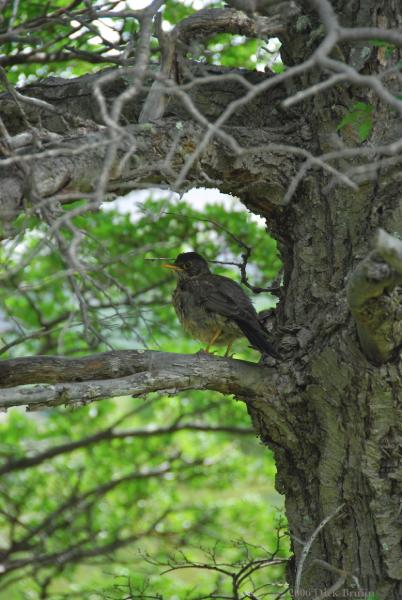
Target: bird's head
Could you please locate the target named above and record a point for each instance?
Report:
(189, 264)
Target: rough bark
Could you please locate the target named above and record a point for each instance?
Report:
(331, 415)
(346, 411)
(378, 276)
(73, 163)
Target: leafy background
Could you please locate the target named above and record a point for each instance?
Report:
(191, 496)
(219, 492)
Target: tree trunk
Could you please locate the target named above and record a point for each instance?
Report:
(344, 412)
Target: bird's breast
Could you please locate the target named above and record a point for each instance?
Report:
(200, 323)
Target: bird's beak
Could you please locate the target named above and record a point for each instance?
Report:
(174, 267)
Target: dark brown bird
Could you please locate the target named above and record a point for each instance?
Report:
(214, 309)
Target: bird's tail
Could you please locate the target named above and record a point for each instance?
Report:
(257, 337)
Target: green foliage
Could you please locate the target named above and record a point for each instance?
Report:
(116, 270)
(217, 492)
(278, 67)
(173, 12)
(59, 41)
(206, 507)
(360, 118)
(233, 51)
(54, 42)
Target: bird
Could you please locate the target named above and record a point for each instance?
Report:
(214, 309)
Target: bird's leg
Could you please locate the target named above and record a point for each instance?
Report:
(213, 339)
(228, 349)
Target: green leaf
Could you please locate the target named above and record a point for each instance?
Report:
(360, 118)
(278, 67)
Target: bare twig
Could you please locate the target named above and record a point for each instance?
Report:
(307, 547)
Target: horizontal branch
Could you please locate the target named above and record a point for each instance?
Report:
(146, 155)
(374, 301)
(123, 373)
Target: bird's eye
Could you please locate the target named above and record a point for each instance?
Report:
(187, 265)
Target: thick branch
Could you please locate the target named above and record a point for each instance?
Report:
(144, 372)
(147, 154)
(374, 301)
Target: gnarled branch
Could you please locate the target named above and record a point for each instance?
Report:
(146, 154)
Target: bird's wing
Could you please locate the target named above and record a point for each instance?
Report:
(222, 295)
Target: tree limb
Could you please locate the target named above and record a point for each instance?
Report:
(122, 373)
(146, 154)
(374, 300)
